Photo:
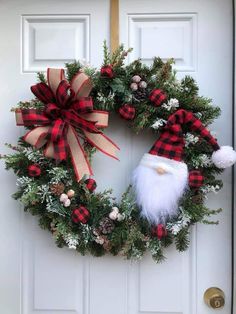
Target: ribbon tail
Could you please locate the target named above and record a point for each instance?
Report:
(78, 156)
(101, 118)
(31, 117)
(19, 117)
(56, 150)
(49, 150)
(37, 136)
(102, 143)
(81, 84)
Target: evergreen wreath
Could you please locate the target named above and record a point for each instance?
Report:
(68, 206)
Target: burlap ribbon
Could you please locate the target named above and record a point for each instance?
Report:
(68, 113)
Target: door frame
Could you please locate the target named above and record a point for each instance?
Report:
(233, 282)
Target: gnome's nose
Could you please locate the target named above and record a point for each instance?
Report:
(160, 170)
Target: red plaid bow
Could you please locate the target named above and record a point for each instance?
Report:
(67, 107)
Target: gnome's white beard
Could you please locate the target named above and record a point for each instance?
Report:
(158, 194)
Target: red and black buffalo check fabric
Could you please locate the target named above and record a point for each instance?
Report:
(34, 117)
(91, 184)
(80, 214)
(64, 94)
(127, 112)
(60, 111)
(107, 70)
(84, 105)
(157, 96)
(171, 141)
(159, 231)
(195, 179)
(43, 92)
(34, 170)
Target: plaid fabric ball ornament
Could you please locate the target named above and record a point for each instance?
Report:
(80, 214)
(34, 170)
(91, 184)
(107, 71)
(160, 231)
(157, 97)
(127, 112)
(195, 179)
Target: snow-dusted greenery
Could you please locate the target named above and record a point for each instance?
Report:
(131, 235)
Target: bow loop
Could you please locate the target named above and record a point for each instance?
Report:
(64, 94)
(52, 111)
(31, 117)
(83, 105)
(56, 130)
(81, 84)
(43, 92)
(74, 119)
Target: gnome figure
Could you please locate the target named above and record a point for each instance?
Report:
(161, 177)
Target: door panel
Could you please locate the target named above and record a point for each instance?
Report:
(50, 40)
(36, 276)
(198, 34)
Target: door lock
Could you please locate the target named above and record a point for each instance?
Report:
(214, 297)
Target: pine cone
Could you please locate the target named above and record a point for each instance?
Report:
(57, 188)
(106, 225)
(198, 199)
(107, 245)
(140, 94)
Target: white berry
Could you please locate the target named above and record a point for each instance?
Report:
(95, 232)
(134, 86)
(115, 209)
(113, 215)
(120, 217)
(136, 78)
(142, 84)
(99, 240)
(70, 193)
(67, 203)
(63, 197)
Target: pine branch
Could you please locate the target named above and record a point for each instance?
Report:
(182, 240)
(41, 77)
(72, 69)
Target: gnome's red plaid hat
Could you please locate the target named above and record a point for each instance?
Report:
(171, 143)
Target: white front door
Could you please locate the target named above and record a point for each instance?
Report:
(35, 275)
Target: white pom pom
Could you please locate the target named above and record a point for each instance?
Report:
(224, 157)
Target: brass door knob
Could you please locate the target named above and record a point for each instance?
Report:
(214, 298)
